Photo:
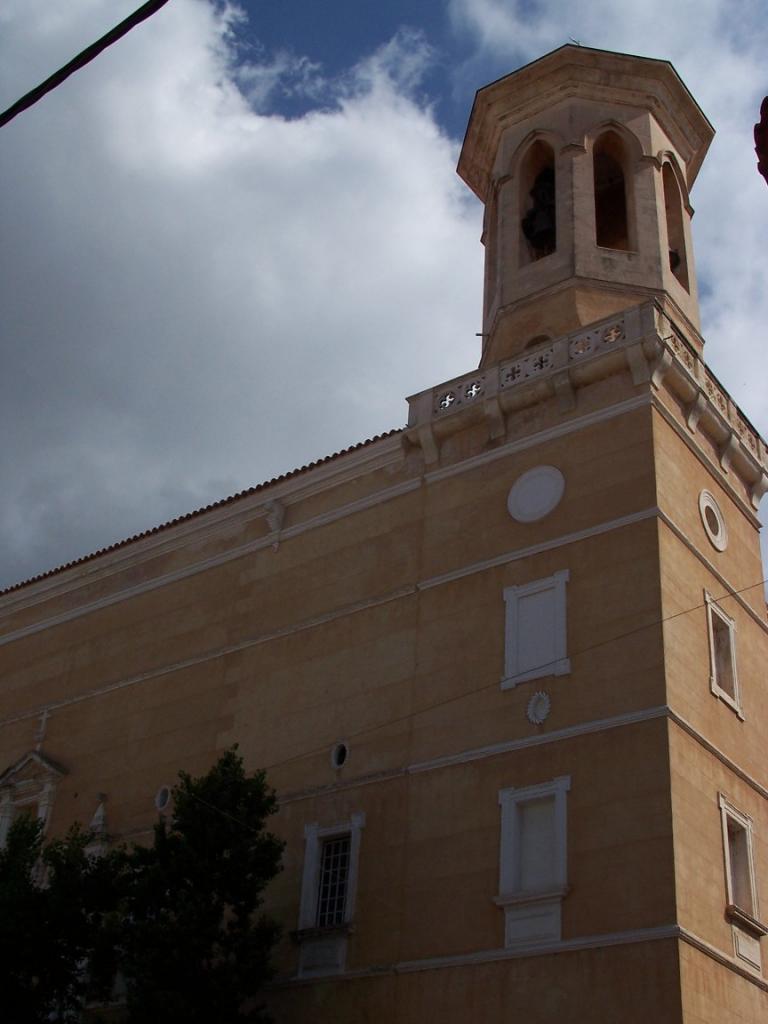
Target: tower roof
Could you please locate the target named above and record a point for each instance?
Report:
(600, 75)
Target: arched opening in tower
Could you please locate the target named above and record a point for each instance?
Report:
(538, 224)
(611, 216)
(673, 208)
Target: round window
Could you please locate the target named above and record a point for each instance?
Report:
(162, 798)
(339, 755)
(714, 523)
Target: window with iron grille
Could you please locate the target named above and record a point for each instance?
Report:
(334, 875)
(328, 894)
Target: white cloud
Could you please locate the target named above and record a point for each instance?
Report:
(285, 74)
(198, 296)
(198, 293)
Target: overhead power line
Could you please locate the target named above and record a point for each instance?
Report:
(471, 693)
(88, 54)
(495, 684)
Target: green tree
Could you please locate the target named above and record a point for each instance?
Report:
(190, 942)
(52, 899)
(176, 922)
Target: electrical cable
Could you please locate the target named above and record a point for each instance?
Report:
(473, 692)
(83, 58)
(494, 684)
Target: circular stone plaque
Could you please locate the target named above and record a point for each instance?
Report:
(714, 523)
(535, 494)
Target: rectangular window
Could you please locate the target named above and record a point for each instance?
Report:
(328, 891)
(537, 863)
(334, 873)
(738, 860)
(535, 630)
(740, 888)
(723, 680)
(739, 872)
(29, 809)
(27, 787)
(533, 861)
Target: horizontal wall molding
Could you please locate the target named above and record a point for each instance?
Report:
(522, 444)
(480, 753)
(711, 748)
(710, 465)
(527, 742)
(722, 958)
(406, 591)
(540, 739)
(264, 542)
(488, 956)
(712, 568)
(210, 522)
(630, 937)
(163, 543)
(537, 549)
(210, 563)
(206, 656)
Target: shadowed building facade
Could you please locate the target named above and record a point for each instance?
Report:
(505, 667)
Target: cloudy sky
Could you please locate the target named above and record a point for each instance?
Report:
(236, 241)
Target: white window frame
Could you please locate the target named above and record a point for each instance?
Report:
(18, 792)
(532, 917)
(745, 922)
(323, 950)
(12, 805)
(560, 664)
(714, 609)
(728, 811)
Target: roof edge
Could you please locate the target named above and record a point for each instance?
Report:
(264, 486)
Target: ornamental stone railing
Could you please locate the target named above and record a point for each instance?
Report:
(646, 340)
(543, 360)
(548, 359)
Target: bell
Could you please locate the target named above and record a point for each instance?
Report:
(540, 230)
(539, 224)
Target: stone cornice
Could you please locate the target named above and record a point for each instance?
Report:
(590, 74)
(271, 503)
(219, 521)
(643, 340)
(486, 957)
(709, 409)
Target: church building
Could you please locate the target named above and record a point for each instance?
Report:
(506, 666)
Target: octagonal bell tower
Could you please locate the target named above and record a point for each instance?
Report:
(584, 160)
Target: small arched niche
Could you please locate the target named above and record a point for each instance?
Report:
(673, 208)
(609, 160)
(538, 222)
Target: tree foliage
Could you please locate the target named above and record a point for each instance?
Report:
(190, 945)
(52, 899)
(177, 922)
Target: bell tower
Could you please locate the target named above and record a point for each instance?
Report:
(584, 160)
(612, 484)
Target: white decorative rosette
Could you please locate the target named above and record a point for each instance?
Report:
(538, 707)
